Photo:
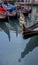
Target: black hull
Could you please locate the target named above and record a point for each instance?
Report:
(13, 17)
(29, 32)
(30, 11)
(4, 19)
(28, 35)
(25, 14)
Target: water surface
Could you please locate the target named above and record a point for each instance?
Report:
(14, 50)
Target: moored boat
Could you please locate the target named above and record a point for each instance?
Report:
(11, 11)
(26, 12)
(12, 14)
(29, 32)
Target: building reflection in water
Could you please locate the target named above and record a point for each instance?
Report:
(5, 29)
(32, 18)
(15, 24)
(33, 43)
(10, 25)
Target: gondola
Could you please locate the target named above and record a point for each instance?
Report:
(26, 12)
(31, 31)
(12, 14)
(11, 10)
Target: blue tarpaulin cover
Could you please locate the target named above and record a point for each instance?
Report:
(8, 8)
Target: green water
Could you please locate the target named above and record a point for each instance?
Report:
(14, 50)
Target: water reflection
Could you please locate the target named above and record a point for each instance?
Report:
(32, 18)
(15, 24)
(5, 28)
(10, 25)
(10, 52)
(33, 43)
(28, 21)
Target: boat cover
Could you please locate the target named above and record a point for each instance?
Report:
(8, 8)
(19, 7)
(2, 10)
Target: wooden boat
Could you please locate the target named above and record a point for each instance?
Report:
(31, 31)
(26, 12)
(11, 11)
(33, 26)
(12, 14)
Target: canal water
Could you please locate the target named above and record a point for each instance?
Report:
(14, 50)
